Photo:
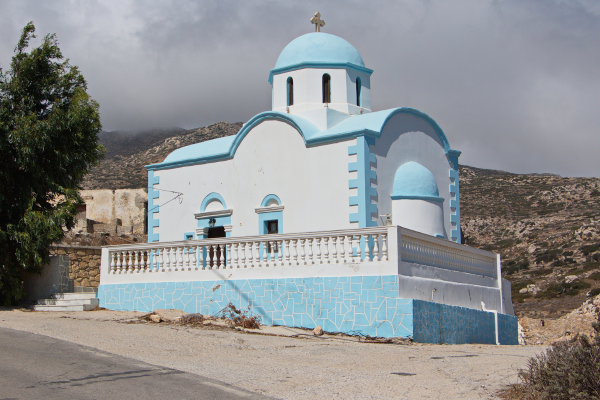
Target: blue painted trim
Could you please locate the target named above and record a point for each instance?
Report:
(268, 198)
(315, 64)
(429, 198)
(153, 208)
(368, 125)
(362, 183)
(454, 197)
(212, 196)
(269, 216)
(188, 236)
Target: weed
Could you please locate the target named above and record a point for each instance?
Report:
(562, 289)
(239, 317)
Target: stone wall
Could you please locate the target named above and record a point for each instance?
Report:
(120, 211)
(84, 263)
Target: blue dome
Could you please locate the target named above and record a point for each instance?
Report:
(319, 47)
(414, 181)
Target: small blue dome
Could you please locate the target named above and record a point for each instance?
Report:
(321, 48)
(414, 181)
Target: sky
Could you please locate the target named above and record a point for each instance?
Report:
(514, 84)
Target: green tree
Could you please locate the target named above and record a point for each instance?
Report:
(49, 130)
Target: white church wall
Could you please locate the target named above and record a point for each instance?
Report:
(408, 138)
(312, 184)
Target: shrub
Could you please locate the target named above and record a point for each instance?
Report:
(563, 289)
(590, 248)
(567, 370)
(239, 317)
(595, 276)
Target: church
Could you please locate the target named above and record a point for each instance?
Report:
(320, 211)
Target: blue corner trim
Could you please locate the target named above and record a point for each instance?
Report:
(362, 183)
(188, 236)
(268, 198)
(316, 64)
(454, 188)
(409, 197)
(368, 125)
(153, 208)
(212, 196)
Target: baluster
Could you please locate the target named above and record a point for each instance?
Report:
(375, 247)
(113, 264)
(193, 266)
(263, 258)
(358, 249)
(257, 257)
(287, 252)
(303, 251)
(251, 254)
(334, 252)
(129, 261)
(272, 256)
(177, 258)
(185, 258)
(342, 240)
(223, 255)
(309, 247)
(368, 248)
(201, 257)
(326, 250)
(350, 248)
(242, 251)
(384, 248)
(235, 256)
(136, 263)
(295, 251)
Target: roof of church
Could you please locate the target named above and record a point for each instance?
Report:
(318, 49)
(370, 125)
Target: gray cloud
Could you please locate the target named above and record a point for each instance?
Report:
(515, 84)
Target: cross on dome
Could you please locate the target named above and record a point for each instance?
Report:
(319, 23)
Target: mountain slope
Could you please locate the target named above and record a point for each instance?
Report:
(127, 172)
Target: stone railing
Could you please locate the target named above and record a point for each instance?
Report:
(377, 250)
(422, 249)
(333, 247)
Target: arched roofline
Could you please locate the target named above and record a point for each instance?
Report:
(210, 197)
(369, 125)
(430, 121)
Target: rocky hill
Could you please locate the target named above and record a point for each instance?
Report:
(126, 143)
(122, 169)
(546, 227)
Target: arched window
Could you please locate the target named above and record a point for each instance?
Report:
(358, 90)
(290, 91)
(326, 88)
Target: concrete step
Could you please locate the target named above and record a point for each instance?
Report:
(68, 302)
(74, 296)
(84, 307)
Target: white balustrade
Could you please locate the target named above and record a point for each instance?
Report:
(323, 249)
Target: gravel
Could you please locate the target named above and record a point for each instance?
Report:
(287, 367)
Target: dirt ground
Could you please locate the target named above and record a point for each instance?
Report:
(300, 367)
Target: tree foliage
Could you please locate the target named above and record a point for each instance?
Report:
(49, 129)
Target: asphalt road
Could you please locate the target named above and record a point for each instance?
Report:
(39, 367)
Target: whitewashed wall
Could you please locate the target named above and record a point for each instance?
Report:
(312, 184)
(308, 90)
(408, 138)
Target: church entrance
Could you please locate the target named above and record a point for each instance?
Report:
(214, 256)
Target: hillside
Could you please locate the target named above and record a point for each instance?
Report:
(126, 143)
(545, 227)
(122, 171)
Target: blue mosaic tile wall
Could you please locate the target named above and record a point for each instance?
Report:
(360, 305)
(363, 305)
(444, 324)
(508, 329)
